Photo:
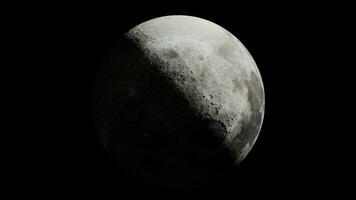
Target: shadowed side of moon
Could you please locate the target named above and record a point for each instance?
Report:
(151, 128)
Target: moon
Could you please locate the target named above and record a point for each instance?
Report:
(178, 102)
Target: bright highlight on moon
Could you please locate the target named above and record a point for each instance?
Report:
(179, 101)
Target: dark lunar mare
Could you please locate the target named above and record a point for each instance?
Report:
(149, 127)
(250, 127)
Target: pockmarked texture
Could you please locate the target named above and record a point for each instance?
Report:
(179, 101)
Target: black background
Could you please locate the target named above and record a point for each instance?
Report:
(291, 46)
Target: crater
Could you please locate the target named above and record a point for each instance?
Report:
(172, 54)
(216, 129)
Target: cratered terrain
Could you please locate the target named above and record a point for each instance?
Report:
(178, 102)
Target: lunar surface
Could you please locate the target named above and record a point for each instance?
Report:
(178, 102)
